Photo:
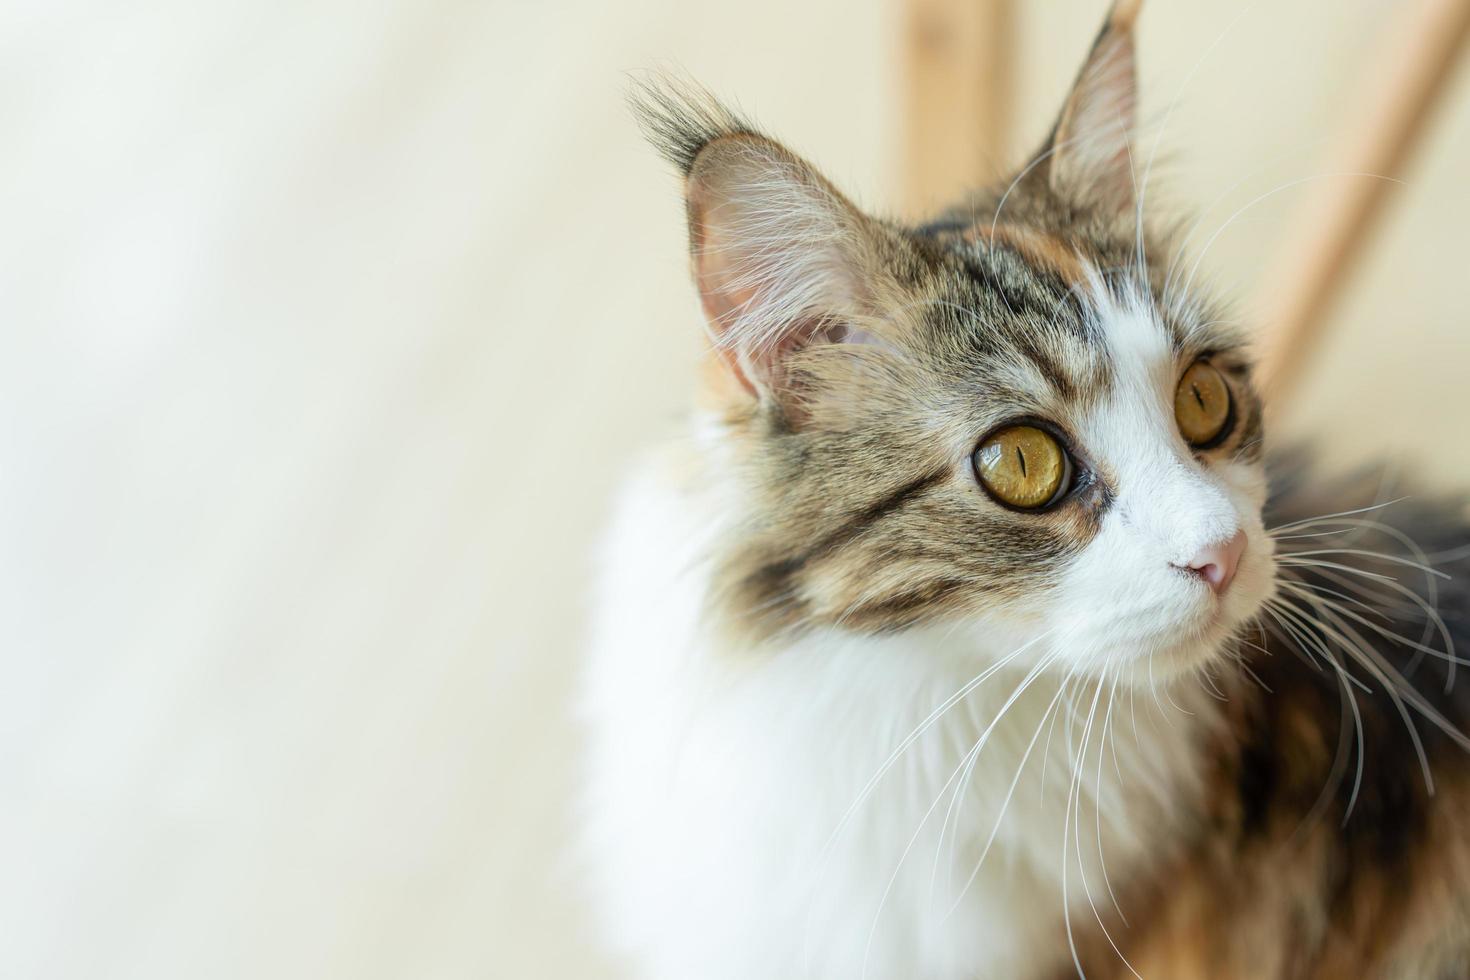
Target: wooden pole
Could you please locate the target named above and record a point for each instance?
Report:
(957, 63)
(1315, 260)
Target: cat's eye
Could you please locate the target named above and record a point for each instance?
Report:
(1024, 467)
(1202, 406)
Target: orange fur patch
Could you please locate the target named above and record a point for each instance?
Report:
(1038, 248)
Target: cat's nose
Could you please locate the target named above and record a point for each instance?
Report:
(1216, 563)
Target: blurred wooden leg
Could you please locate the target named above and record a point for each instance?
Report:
(956, 103)
(1314, 264)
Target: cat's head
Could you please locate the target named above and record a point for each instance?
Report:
(1019, 423)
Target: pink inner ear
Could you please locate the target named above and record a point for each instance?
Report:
(722, 302)
(725, 299)
(722, 305)
(772, 255)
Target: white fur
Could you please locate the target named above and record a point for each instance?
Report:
(740, 820)
(1168, 507)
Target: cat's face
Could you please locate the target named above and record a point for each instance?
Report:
(1172, 557)
(1018, 424)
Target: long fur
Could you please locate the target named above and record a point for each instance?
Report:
(853, 716)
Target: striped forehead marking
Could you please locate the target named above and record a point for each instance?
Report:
(1036, 247)
(1122, 353)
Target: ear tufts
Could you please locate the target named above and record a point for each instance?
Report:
(680, 118)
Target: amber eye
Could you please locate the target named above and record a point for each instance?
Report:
(1023, 466)
(1202, 405)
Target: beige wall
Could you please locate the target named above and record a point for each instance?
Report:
(328, 331)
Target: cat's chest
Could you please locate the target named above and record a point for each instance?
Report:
(931, 822)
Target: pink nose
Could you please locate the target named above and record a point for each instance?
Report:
(1215, 563)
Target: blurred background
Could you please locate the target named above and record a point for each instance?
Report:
(329, 328)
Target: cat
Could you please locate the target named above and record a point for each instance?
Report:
(964, 635)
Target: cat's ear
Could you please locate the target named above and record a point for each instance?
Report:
(1091, 146)
(781, 259)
